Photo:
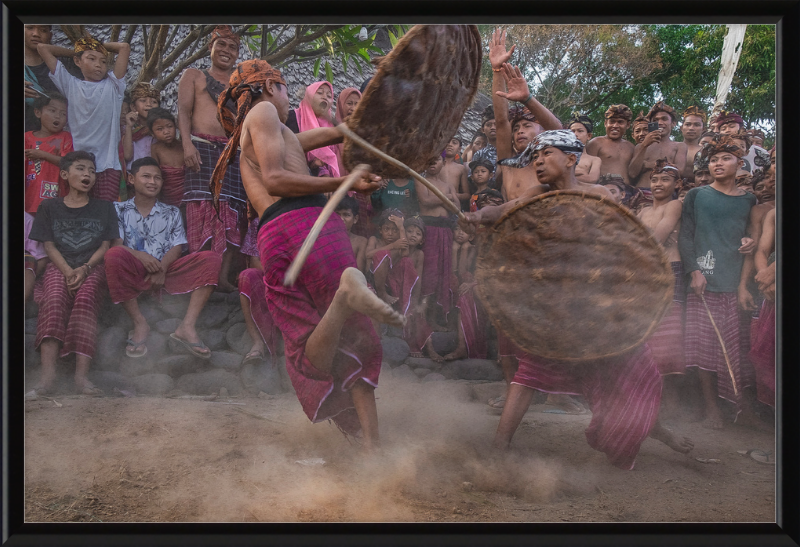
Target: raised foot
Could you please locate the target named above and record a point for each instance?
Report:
(356, 295)
(432, 354)
(389, 299)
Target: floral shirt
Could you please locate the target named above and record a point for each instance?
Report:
(154, 234)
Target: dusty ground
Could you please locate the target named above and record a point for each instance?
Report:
(175, 460)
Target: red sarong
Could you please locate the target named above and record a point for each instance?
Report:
(126, 274)
(364, 226)
(623, 394)
(297, 310)
(666, 342)
(703, 349)
(251, 286)
(472, 318)
(437, 265)
(70, 319)
(762, 353)
(202, 224)
(507, 348)
(401, 279)
(106, 186)
(172, 190)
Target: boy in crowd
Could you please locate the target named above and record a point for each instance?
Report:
(93, 105)
(167, 150)
(455, 173)
(615, 184)
(76, 230)
(712, 243)
(489, 130)
(137, 139)
(203, 140)
(35, 259)
(702, 174)
(482, 172)
(731, 123)
(393, 273)
(639, 128)
(44, 149)
(478, 142)
(146, 256)
(692, 128)
(348, 211)
(396, 194)
(613, 149)
(656, 145)
(588, 170)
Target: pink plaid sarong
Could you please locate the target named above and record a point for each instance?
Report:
(202, 224)
(172, 189)
(401, 279)
(437, 265)
(762, 353)
(71, 320)
(250, 242)
(623, 393)
(473, 322)
(251, 286)
(106, 186)
(703, 349)
(297, 310)
(126, 274)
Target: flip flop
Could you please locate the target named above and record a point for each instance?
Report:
(190, 347)
(253, 356)
(36, 392)
(759, 455)
(135, 352)
(497, 402)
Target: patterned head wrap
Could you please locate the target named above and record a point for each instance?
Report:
(223, 31)
(755, 133)
(247, 83)
(518, 113)
(619, 111)
(700, 160)
(722, 143)
(488, 114)
(414, 221)
(729, 117)
(577, 117)
(483, 197)
(661, 106)
(695, 111)
(563, 139)
(89, 44)
(143, 90)
(664, 166)
(641, 118)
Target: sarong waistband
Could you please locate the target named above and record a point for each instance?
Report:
(439, 222)
(284, 205)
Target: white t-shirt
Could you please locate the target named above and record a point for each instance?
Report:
(141, 149)
(93, 109)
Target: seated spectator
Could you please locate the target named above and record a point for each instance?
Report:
(393, 276)
(35, 259)
(348, 211)
(76, 230)
(146, 256)
(44, 149)
(167, 150)
(137, 139)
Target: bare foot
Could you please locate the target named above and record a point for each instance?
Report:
(749, 419)
(459, 353)
(389, 299)
(713, 419)
(190, 335)
(682, 445)
(565, 403)
(357, 296)
(416, 354)
(432, 355)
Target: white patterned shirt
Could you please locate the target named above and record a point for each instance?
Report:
(154, 234)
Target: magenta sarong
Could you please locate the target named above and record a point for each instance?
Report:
(401, 279)
(762, 353)
(172, 189)
(437, 265)
(473, 322)
(666, 342)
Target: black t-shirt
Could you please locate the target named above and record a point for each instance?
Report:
(77, 232)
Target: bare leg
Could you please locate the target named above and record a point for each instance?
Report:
(431, 353)
(49, 355)
(708, 382)
(82, 383)
(670, 399)
(461, 350)
(30, 281)
(509, 364)
(252, 330)
(381, 275)
(660, 433)
(364, 400)
(227, 257)
(748, 417)
(186, 330)
(140, 327)
(518, 400)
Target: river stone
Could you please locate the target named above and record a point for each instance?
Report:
(30, 325)
(212, 316)
(153, 384)
(423, 362)
(168, 326)
(206, 383)
(214, 339)
(156, 344)
(395, 350)
(263, 376)
(239, 339)
(393, 332)
(226, 360)
(110, 348)
(236, 316)
(175, 305)
(444, 342)
(151, 313)
(422, 372)
(473, 369)
(130, 366)
(232, 298)
(403, 372)
(433, 377)
(108, 380)
(178, 365)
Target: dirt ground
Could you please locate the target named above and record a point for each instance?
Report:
(145, 459)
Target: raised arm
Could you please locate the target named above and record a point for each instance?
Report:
(49, 52)
(636, 165)
(123, 51)
(497, 56)
(518, 91)
(319, 137)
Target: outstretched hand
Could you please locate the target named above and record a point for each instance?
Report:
(497, 49)
(516, 84)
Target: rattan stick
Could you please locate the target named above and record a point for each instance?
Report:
(397, 163)
(311, 238)
(721, 343)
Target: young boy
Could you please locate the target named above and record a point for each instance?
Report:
(389, 264)
(639, 128)
(94, 104)
(712, 242)
(482, 172)
(43, 152)
(588, 170)
(455, 173)
(146, 255)
(348, 211)
(137, 139)
(396, 194)
(614, 151)
(167, 150)
(76, 230)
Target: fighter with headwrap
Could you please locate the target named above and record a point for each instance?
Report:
(333, 354)
(588, 169)
(613, 149)
(692, 128)
(656, 145)
(203, 140)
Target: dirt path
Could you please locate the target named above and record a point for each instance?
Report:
(169, 460)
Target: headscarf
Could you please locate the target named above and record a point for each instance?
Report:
(729, 117)
(414, 221)
(661, 106)
(306, 119)
(619, 111)
(488, 114)
(695, 111)
(563, 139)
(143, 90)
(722, 143)
(341, 99)
(223, 31)
(247, 82)
(664, 166)
(518, 113)
(89, 44)
(701, 160)
(582, 119)
(641, 118)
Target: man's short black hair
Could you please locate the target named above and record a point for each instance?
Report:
(478, 134)
(457, 138)
(142, 162)
(41, 101)
(709, 134)
(158, 113)
(486, 162)
(348, 203)
(77, 155)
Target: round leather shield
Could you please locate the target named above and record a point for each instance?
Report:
(414, 104)
(571, 276)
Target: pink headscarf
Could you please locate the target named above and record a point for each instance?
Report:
(306, 119)
(343, 96)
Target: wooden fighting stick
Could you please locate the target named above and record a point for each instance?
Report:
(360, 171)
(721, 343)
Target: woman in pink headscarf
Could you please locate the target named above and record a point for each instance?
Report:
(315, 111)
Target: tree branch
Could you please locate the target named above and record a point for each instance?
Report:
(115, 30)
(129, 33)
(199, 54)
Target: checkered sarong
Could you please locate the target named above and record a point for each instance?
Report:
(203, 224)
(71, 320)
(250, 242)
(437, 264)
(196, 183)
(106, 186)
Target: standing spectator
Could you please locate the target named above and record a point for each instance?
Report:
(489, 129)
(615, 152)
(639, 128)
(731, 123)
(315, 111)
(478, 142)
(692, 128)
(167, 150)
(137, 139)
(454, 172)
(35, 259)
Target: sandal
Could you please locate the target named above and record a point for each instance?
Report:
(136, 352)
(759, 455)
(36, 392)
(253, 356)
(497, 402)
(192, 347)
